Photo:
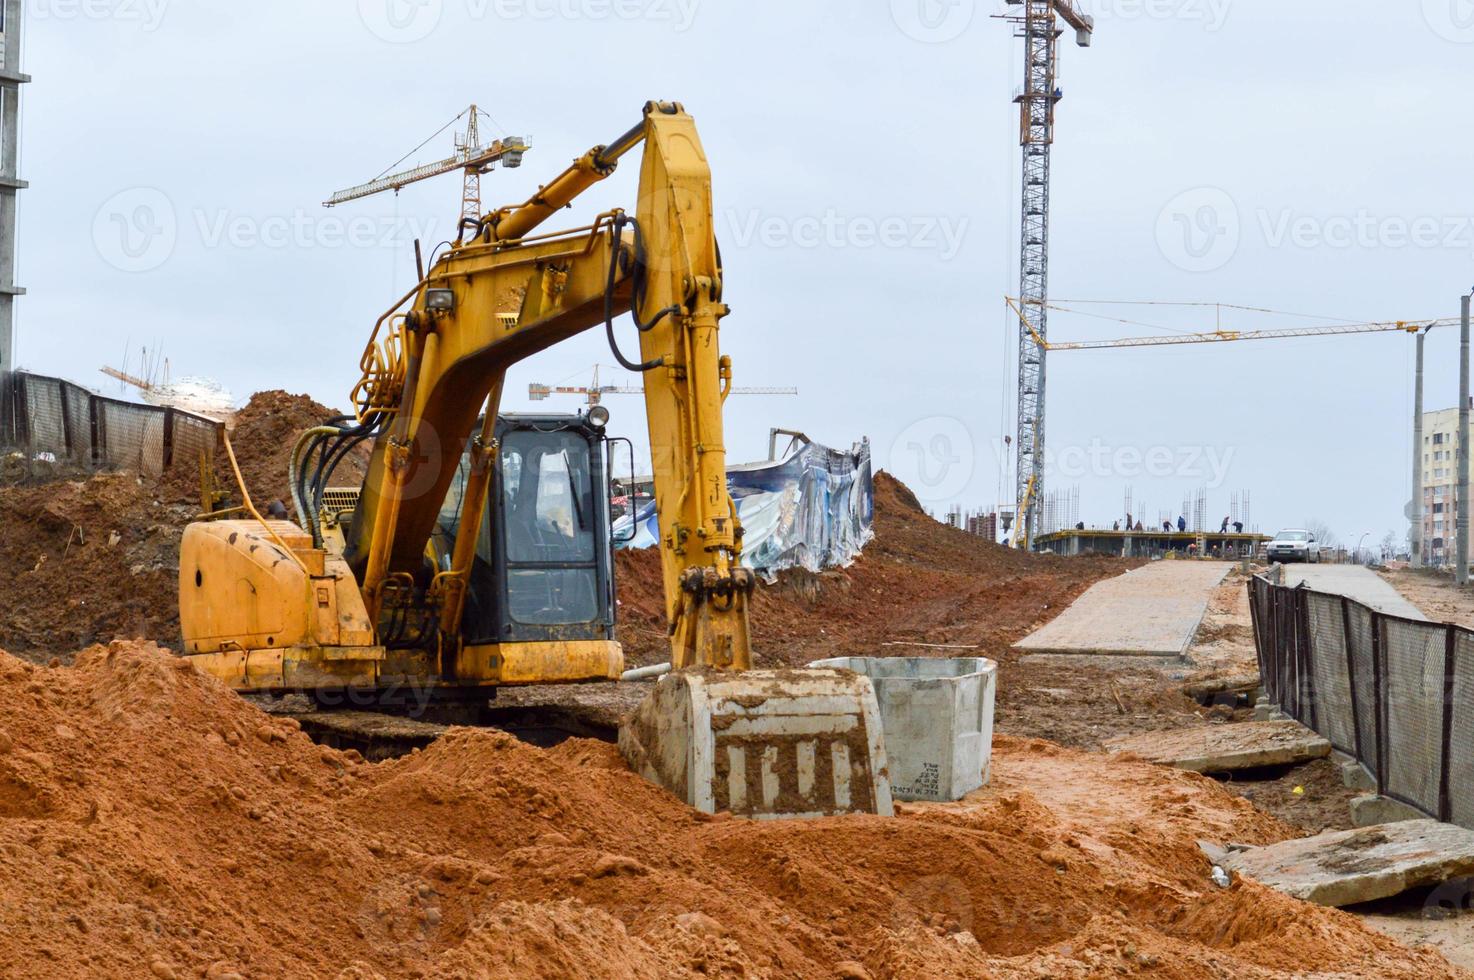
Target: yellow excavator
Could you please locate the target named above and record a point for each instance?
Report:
(478, 552)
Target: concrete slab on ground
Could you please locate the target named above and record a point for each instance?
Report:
(1153, 611)
(1357, 582)
(1347, 867)
(1226, 748)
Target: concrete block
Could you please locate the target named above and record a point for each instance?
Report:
(1227, 748)
(1372, 810)
(765, 744)
(1266, 710)
(1355, 776)
(1346, 867)
(938, 720)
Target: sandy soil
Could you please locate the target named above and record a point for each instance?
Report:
(1435, 594)
(154, 824)
(1441, 918)
(151, 823)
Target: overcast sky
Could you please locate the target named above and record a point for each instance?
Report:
(1308, 157)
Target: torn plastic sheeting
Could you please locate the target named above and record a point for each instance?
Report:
(814, 509)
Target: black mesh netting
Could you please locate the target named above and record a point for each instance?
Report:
(1396, 694)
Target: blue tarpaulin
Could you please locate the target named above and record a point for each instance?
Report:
(813, 509)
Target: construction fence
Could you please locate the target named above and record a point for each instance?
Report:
(1396, 694)
(49, 424)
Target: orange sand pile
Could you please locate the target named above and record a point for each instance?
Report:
(153, 824)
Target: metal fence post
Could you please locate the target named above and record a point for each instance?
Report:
(95, 430)
(22, 414)
(168, 451)
(1445, 798)
(1307, 661)
(1350, 636)
(1379, 686)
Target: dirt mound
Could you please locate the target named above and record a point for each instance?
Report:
(88, 561)
(95, 559)
(265, 434)
(153, 824)
(923, 587)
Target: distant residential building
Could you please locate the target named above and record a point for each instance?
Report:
(1440, 484)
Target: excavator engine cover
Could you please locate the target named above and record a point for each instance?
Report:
(765, 744)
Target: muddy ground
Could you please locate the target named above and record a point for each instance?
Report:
(151, 823)
(154, 824)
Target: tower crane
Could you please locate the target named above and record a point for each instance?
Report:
(595, 392)
(1038, 24)
(1216, 336)
(1220, 336)
(471, 157)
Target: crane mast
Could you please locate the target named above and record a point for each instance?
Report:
(1038, 24)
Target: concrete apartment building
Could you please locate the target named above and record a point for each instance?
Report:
(1440, 479)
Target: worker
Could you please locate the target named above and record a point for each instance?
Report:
(1238, 527)
(1181, 524)
(1224, 528)
(1139, 526)
(1080, 526)
(1116, 526)
(1129, 522)
(277, 511)
(1167, 526)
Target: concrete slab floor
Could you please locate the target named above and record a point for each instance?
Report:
(1357, 582)
(1153, 611)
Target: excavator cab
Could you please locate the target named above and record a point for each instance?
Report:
(543, 570)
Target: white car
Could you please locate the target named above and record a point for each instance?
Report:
(1293, 545)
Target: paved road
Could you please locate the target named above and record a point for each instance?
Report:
(1153, 611)
(1361, 584)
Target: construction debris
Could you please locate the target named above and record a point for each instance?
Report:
(1226, 748)
(1352, 866)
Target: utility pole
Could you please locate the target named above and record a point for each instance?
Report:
(11, 79)
(1415, 512)
(1038, 25)
(1461, 569)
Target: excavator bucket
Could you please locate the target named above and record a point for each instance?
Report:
(765, 744)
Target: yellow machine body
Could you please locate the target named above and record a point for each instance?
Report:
(269, 619)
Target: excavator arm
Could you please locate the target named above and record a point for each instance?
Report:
(281, 610)
(504, 293)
